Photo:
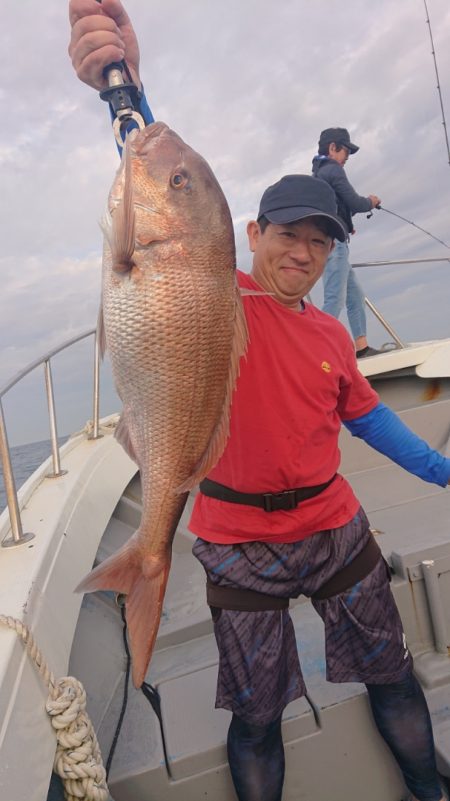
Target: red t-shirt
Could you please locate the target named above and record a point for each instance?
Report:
(299, 380)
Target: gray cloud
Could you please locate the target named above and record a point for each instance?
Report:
(249, 85)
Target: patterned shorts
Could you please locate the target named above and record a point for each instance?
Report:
(259, 668)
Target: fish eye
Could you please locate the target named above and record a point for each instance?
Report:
(178, 180)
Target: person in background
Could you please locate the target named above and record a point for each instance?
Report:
(341, 287)
(274, 519)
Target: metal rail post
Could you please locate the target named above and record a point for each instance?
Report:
(57, 472)
(17, 535)
(431, 579)
(384, 323)
(96, 411)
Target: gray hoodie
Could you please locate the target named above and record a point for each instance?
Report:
(348, 201)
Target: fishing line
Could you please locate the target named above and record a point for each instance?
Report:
(438, 83)
(410, 222)
(150, 692)
(125, 691)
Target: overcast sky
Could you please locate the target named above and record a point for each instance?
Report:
(249, 84)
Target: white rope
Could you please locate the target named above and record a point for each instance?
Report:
(78, 760)
(105, 426)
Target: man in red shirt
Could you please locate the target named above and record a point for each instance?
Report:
(285, 421)
(274, 519)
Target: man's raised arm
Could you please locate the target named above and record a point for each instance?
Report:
(102, 33)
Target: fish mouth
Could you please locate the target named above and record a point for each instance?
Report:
(156, 129)
(153, 134)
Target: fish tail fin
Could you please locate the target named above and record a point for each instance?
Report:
(219, 438)
(143, 581)
(143, 612)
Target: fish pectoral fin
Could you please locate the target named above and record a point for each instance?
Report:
(123, 223)
(221, 433)
(143, 581)
(123, 437)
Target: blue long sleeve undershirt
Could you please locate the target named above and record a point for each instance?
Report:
(384, 431)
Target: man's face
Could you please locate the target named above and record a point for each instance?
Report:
(340, 155)
(288, 259)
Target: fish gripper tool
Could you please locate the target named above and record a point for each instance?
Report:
(123, 99)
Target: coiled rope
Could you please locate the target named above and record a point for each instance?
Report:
(78, 760)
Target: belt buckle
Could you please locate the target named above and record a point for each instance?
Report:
(276, 501)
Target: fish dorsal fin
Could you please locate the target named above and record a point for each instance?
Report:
(220, 435)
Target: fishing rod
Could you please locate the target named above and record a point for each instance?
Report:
(410, 222)
(437, 78)
(393, 213)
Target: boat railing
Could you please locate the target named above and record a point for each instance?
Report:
(17, 534)
(376, 312)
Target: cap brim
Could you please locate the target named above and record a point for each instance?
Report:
(353, 148)
(296, 213)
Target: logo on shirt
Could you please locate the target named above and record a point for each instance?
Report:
(326, 367)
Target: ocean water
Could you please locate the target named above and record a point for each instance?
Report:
(25, 459)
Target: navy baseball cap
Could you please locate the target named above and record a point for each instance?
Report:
(296, 197)
(340, 136)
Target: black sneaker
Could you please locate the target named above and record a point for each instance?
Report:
(367, 351)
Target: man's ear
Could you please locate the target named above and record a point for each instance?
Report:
(253, 233)
(333, 245)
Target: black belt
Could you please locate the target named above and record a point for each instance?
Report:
(243, 600)
(224, 597)
(355, 571)
(269, 501)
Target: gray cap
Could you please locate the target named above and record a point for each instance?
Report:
(340, 136)
(296, 197)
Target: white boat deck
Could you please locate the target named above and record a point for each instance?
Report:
(72, 515)
(426, 359)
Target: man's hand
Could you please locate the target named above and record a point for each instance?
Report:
(101, 33)
(375, 201)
